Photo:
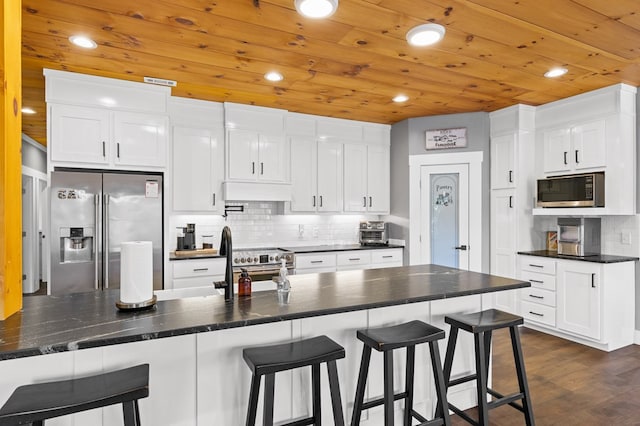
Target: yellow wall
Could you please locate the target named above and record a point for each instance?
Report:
(10, 159)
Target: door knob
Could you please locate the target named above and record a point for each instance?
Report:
(462, 247)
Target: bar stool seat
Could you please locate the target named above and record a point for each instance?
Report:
(481, 325)
(385, 340)
(32, 404)
(268, 360)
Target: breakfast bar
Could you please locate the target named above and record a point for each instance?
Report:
(194, 345)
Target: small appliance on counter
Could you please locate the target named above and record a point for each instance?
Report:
(373, 233)
(579, 236)
(186, 237)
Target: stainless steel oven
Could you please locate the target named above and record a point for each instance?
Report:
(262, 264)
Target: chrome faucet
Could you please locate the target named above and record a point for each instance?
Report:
(226, 249)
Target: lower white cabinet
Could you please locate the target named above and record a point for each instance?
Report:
(332, 261)
(588, 302)
(197, 272)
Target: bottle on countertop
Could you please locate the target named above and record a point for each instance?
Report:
(244, 283)
(283, 281)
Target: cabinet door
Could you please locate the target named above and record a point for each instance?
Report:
(197, 169)
(243, 154)
(589, 146)
(79, 134)
(303, 174)
(378, 179)
(329, 177)
(140, 139)
(557, 147)
(503, 154)
(273, 158)
(578, 298)
(503, 250)
(355, 178)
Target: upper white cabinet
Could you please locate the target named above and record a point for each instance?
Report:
(198, 155)
(503, 160)
(594, 131)
(575, 149)
(97, 121)
(366, 172)
(257, 149)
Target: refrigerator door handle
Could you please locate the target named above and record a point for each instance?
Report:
(105, 237)
(96, 210)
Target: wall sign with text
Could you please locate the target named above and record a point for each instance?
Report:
(447, 138)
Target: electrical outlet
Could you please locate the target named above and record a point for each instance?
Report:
(625, 238)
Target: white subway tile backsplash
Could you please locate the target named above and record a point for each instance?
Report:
(264, 224)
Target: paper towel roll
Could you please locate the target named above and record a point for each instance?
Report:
(136, 271)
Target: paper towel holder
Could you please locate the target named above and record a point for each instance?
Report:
(147, 304)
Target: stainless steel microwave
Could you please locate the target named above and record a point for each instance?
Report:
(583, 190)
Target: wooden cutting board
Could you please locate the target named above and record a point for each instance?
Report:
(195, 252)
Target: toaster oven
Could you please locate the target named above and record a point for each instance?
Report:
(373, 232)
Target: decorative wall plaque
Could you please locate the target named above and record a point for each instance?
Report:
(446, 138)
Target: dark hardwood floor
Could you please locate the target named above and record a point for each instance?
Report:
(570, 384)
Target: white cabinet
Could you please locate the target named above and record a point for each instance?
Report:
(98, 136)
(512, 149)
(316, 175)
(198, 169)
(503, 161)
(197, 272)
(579, 298)
(257, 150)
(587, 302)
(348, 260)
(593, 131)
(366, 178)
(576, 148)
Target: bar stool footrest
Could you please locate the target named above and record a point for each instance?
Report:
(505, 399)
(380, 401)
(461, 380)
(301, 422)
(424, 422)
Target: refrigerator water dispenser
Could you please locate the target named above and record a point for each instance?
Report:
(76, 245)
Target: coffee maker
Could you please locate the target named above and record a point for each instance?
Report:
(187, 237)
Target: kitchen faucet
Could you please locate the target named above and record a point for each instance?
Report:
(226, 249)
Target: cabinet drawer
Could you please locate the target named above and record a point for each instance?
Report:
(316, 260)
(353, 258)
(538, 264)
(386, 256)
(547, 282)
(539, 313)
(197, 268)
(538, 295)
(204, 281)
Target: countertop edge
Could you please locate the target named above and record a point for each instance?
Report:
(601, 258)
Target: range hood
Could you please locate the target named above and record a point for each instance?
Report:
(253, 191)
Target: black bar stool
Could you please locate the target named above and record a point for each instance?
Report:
(482, 324)
(385, 340)
(268, 360)
(33, 404)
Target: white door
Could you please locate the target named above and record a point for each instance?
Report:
(140, 139)
(329, 180)
(30, 282)
(242, 151)
(304, 196)
(378, 179)
(444, 229)
(355, 178)
(80, 134)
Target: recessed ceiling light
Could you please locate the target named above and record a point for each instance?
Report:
(83, 41)
(425, 34)
(401, 98)
(27, 110)
(555, 72)
(316, 8)
(273, 76)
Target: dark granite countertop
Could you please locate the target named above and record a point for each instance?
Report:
(49, 324)
(600, 258)
(337, 247)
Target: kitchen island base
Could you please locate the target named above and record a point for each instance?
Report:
(201, 379)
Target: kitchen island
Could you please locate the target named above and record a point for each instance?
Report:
(194, 345)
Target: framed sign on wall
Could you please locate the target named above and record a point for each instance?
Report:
(446, 138)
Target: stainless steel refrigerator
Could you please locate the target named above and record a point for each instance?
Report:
(92, 213)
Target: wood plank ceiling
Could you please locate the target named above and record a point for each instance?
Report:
(494, 53)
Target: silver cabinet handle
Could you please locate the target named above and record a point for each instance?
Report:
(536, 281)
(261, 168)
(253, 167)
(317, 261)
(314, 201)
(387, 257)
(118, 150)
(200, 269)
(536, 297)
(365, 202)
(104, 149)
(321, 201)
(353, 259)
(510, 201)
(536, 314)
(214, 198)
(106, 241)
(536, 266)
(370, 201)
(510, 176)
